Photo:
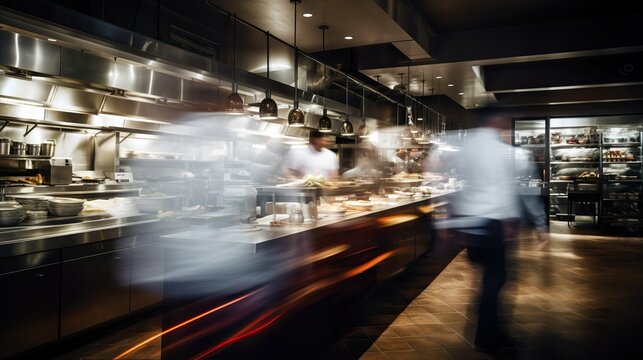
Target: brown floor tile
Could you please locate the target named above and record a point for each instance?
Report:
(392, 344)
(434, 354)
(374, 356)
(402, 355)
(424, 342)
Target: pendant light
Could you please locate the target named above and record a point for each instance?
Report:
(296, 116)
(347, 127)
(268, 107)
(325, 124)
(363, 131)
(234, 102)
(411, 124)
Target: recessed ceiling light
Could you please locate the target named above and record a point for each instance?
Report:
(460, 93)
(477, 105)
(348, 38)
(438, 77)
(308, 15)
(450, 85)
(52, 40)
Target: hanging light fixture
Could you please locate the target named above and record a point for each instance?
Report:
(234, 102)
(363, 131)
(268, 107)
(347, 127)
(325, 124)
(296, 116)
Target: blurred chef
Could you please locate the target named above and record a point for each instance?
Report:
(364, 168)
(315, 159)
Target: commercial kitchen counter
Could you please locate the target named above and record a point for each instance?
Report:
(281, 271)
(52, 233)
(261, 239)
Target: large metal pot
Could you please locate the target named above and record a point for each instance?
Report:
(48, 148)
(5, 146)
(18, 148)
(33, 149)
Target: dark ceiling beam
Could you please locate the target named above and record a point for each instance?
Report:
(583, 109)
(589, 36)
(565, 73)
(572, 96)
(404, 13)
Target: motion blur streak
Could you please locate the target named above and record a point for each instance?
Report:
(236, 338)
(294, 300)
(391, 220)
(325, 254)
(141, 344)
(360, 269)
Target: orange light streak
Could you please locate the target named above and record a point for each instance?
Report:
(369, 264)
(143, 343)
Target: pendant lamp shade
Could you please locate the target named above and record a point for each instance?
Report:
(325, 124)
(268, 108)
(347, 128)
(363, 131)
(234, 102)
(296, 116)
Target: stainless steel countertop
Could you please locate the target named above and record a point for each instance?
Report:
(56, 233)
(202, 236)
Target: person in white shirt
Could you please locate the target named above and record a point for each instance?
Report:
(363, 168)
(315, 159)
(488, 209)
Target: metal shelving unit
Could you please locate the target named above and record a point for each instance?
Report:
(622, 199)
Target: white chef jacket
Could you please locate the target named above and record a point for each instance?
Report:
(310, 161)
(489, 166)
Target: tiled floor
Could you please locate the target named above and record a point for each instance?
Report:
(581, 298)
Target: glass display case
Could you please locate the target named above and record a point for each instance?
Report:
(621, 183)
(530, 135)
(604, 151)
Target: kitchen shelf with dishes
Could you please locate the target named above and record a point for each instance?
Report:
(603, 154)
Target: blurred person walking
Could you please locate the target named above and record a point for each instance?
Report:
(487, 214)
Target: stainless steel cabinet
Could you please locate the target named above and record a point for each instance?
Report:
(29, 301)
(147, 272)
(95, 284)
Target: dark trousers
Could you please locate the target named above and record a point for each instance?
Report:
(488, 250)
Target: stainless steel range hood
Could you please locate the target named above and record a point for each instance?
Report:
(79, 79)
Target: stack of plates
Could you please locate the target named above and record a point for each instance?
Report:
(65, 206)
(33, 203)
(11, 213)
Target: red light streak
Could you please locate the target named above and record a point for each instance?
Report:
(236, 338)
(152, 338)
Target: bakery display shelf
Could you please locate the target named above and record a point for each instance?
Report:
(621, 200)
(561, 181)
(623, 144)
(573, 162)
(556, 146)
(623, 180)
(620, 162)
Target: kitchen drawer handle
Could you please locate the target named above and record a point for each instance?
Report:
(117, 257)
(40, 275)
